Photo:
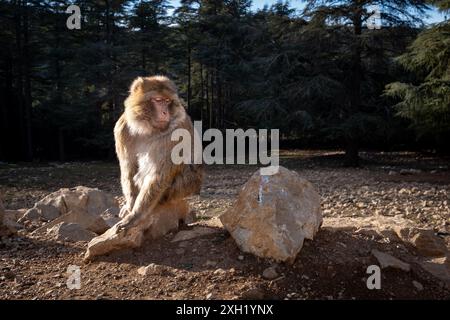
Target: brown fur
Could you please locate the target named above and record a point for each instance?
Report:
(148, 175)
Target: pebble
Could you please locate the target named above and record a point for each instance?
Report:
(210, 263)
(219, 271)
(179, 251)
(417, 285)
(253, 294)
(270, 273)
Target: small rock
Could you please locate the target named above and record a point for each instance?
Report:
(195, 232)
(179, 251)
(240, 257)
(270, 273)
(219, 271)
(153, 269)
(253, 294)
(386, 260)
(438, 267)
(429, 244)
(409, 171)
(210, 263)
(184, 244)
(418, 285)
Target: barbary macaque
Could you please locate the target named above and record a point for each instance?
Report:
(153, 111)
(149, 177)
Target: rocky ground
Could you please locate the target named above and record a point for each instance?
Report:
(332, 266)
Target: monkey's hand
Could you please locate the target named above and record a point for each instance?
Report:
(124, 211)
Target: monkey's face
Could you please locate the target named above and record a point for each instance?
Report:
(160, 109)
(153, 104)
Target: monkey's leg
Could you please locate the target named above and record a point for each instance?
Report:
(186, 183)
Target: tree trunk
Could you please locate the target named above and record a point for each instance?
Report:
(61, 149)
(351, 153)
(202, 92)
(351, 149)
(208, 111)
(189, 91)
(212, 100)
(7, 103)
(27, 88)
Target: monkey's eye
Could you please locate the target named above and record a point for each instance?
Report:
(162, 100)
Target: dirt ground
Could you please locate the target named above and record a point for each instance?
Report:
(332, 266)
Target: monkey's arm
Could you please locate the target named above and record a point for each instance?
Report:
(189, 179)
(128, 164)
(152, 190)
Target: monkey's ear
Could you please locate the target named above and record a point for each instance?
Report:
(137, 84)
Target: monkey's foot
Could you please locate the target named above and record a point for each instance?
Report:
(115, 238)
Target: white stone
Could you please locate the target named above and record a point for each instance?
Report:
(274, 214)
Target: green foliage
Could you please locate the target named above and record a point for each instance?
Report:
(426, 100)
(317, 76)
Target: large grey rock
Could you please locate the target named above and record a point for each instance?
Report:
(41, 212)
(274, 214)
(71, 232)
(84, 219)
(90, 200)
(111, 216)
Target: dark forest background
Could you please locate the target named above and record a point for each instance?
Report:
(320, 76)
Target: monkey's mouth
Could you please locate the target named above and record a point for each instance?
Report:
(161, 124)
